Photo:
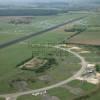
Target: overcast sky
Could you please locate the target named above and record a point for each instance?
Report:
(72, 1)
(31, 0)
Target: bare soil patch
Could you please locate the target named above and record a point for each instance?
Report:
(34, 63)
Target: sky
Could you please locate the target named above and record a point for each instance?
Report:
(30, 0)
(27, 1)
(70, 1)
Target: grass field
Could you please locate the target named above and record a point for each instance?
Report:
(63, 93)
(17, 53)
(93, 56)
(96, 96)
(66, 66)
(60, 93)
(2, 99)
(14, 27)
(15, 57)
(92, 34)
(87, 87)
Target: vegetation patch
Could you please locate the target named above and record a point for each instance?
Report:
(2, 99)
(33, 64)
(91, 36)
(89, 95)
(21, 20)
(39, 65)
(97, 68)
(75, 28)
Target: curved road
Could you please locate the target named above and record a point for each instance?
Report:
(6, 44)
(84, 65)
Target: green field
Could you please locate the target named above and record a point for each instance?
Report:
(93, 58)
(14, 27)
(95, 96)
(64, 93)
(92, 34)
(12, 77)
(60, 93)
(2, 99)
(15, 54)
(87, 87)
(15, 57)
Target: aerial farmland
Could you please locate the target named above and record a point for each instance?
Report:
(50, 50)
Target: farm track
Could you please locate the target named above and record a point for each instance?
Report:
(9, 43)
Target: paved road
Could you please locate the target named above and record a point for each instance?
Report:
(6, 44)
(84, 65)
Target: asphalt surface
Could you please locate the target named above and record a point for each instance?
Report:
(9, 43)
(84, 65)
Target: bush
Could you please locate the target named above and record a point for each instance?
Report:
(50, 62)
(97, 68)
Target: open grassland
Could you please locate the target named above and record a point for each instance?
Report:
(93, 54)
(14, 27)
(87, 87)
(92, 92)
(64, 93)
(60, 93)
(30, 97)
(15, 54)
(2, 99)
(95, 96)
(51, 37)
(92, 34)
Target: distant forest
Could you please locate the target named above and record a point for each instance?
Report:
(30, 12)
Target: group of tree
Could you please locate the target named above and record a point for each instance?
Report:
(97, 68)
(30, 12)
(50, 62)
(76, 28)
(23, 20)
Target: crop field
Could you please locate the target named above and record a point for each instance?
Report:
(13, 27)
(92, 34)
